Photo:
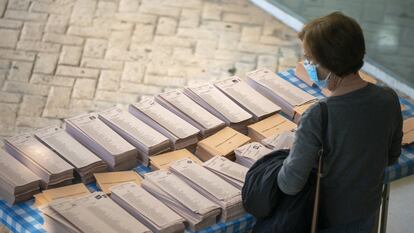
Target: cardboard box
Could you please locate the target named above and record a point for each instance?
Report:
(299, 110)
(408, 130)
(49, 195)
(108, 179)
(163, 161)
(222, 143)
(367, 77)
(269, 127)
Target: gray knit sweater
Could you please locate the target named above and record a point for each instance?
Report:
(364, 136)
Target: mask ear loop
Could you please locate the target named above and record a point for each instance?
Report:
(328, 76)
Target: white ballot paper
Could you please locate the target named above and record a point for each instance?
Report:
(147, 140)
(220, 105)
(103, 141)
(281, 141)
(146, 208)
(41, 160)
(56, 223)
(96, 212)
(85, 162)
(247, 97)
(248, 154)
(180, 132)
(212, 186)
(280, 91)
(17, 183)
(198, 211)
(230, 171)
(177, 102)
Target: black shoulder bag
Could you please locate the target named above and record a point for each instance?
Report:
(275, 211)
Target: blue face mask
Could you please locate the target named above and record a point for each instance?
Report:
(313, 74)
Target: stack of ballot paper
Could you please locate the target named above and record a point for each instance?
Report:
(248, 154)
(70, 191)
(293, 100)
(85, 162)
(269, 127)
(103, 141)
(280, 142)
(53, 170)
(147, 140)
(222, 143)
(181, 133)
(163, 161)
(56, 223)
(17, 183)
(220, 105)
(177, 102)
(408, 130)
(211, 186)
(150, 211)
(247, 97)
(106, 180)
(198, 211)
(94, 212)
(230, 171)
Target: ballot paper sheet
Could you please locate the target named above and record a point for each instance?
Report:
(96, 212)
(190, 110)
(268, 79)
(74, 152)
(96, 130)
(217, 102)
(155, 213)
(165, 118)
(247, 97)
(133, 126)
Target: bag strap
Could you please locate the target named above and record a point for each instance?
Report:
(321, 155)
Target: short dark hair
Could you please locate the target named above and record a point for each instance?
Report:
(336, 42)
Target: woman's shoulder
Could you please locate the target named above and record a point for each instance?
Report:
(313, 112)
(387, 94)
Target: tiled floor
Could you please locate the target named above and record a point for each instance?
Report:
(59, 58)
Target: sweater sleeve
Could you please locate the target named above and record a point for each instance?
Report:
(395, 148)
(303, 155)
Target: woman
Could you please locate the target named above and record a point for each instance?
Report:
(364, 129)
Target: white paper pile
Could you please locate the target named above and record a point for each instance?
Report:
(17, 183)
(147, 209)
(147, 140)
(248, 154)
(94, 212)
(198, 211)
(56, 223)
(247, 97)
(291, 99)
(53, 170)
(220, 105)
(181, 133)
(281, 141)
(211, 186)
(180, 104)
(103, 141)
(230, 171)
(83, 160)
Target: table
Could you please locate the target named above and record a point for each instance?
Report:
(25, 217)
